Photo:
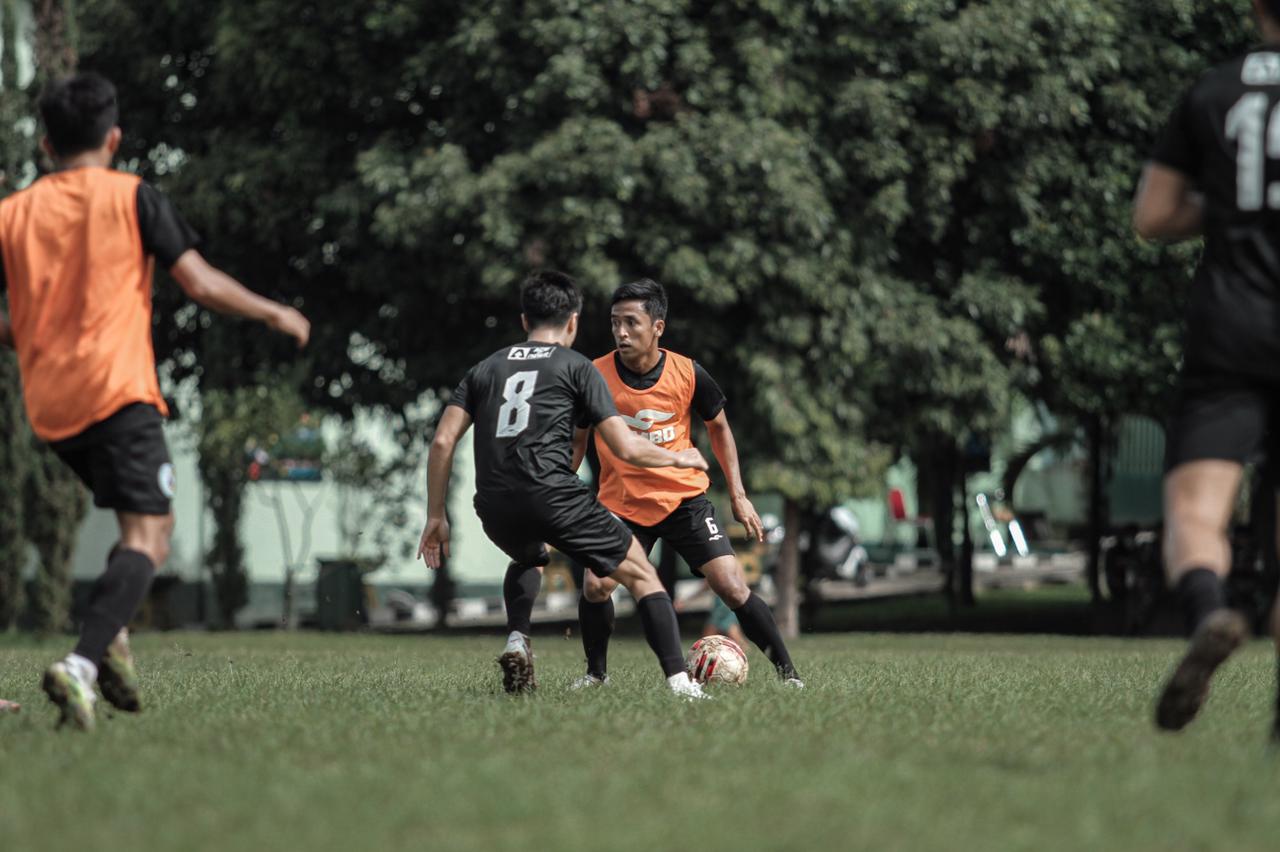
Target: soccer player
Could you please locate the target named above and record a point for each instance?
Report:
(525, 401)
(79, 246)
(658, 393)
(1216, 172)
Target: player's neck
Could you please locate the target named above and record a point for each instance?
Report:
(546, 335)
(643, 362)
(85, 160)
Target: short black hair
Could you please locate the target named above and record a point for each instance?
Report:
(78, 112)
(549, 298)
(645, 290)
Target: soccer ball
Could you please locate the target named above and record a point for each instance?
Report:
(717, 659)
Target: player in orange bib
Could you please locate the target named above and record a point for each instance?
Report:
(658, 393)
(79, 248)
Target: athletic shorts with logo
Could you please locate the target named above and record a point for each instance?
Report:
(124, 461)
(569, 518)
(692, 530)
(1224, 417)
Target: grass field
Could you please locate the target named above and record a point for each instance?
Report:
(919, 742)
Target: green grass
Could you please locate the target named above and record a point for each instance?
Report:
(313, 742)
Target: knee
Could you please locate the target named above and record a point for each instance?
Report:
(730, 586)
(596, 590)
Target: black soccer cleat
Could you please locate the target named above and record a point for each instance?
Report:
(1217, 638)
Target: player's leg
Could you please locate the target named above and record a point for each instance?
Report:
(125, 462)
(596, 617)
(658, 617)
(520, 589)
(595, 621)
(1199, 499)
(724, 576)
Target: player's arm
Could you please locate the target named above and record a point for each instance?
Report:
(726, 452)
(633, 449)
(214, 289)
(1167, 206)
(435, 535)
(580, 438)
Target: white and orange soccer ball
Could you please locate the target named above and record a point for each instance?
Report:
(717, 659)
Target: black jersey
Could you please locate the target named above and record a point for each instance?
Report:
(1225, 136)
(525, 401)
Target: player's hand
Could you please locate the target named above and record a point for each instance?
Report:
(290, 322)
(745, 514)
(690, 459)
(435, 542)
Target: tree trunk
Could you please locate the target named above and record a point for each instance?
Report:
(1099, 510)
(964, 565)
(943, 459)
(787, 609)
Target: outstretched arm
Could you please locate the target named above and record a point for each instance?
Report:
(633, 449)
(434, 543)
(1167, 207)
(726, 452)
(214, 289)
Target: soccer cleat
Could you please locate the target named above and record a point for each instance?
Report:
(517, 665)
(589, 680)
(73, 696)
(686, 687)
(1221, 633)
(9, 706)
(117, 676)
(793, 682)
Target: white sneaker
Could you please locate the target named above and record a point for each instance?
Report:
(686, 687)
(589, 680)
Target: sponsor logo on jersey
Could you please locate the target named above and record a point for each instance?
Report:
(530, 353)
(646, 419)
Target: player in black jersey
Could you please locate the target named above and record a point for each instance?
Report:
(1216, 173)
(525, 401)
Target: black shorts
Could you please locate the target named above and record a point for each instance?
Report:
(692, 529)
(569, 518)
(124, 461)
(1223, 417)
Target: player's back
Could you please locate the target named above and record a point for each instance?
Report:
(525, 402)
(1225, 136)
(79, 285)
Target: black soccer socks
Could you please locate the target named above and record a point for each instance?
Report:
(596, 621)
(1200, 593)
(760, 627)
(114, 600)
(519, 591)
(662, 631)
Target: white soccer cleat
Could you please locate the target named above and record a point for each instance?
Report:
(589, 680)
(686, 687)
(517, 664)
(793, 682)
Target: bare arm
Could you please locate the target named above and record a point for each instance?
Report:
(633, 449)
(726, 452)
(1167, 207)
(6, 333)
(580, 438)
(454, 423)
(212, 288)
